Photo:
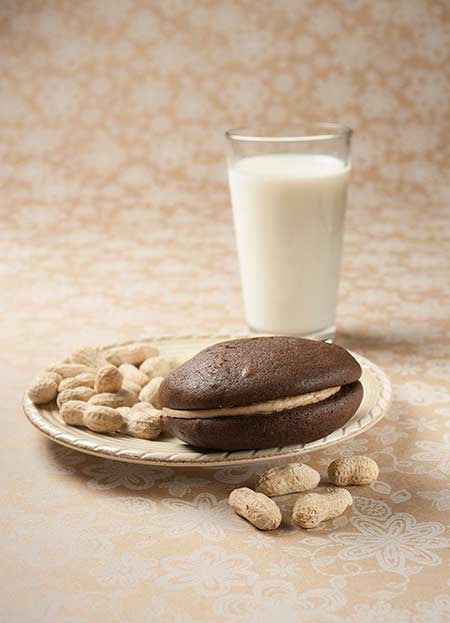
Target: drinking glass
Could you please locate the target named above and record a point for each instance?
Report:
(288, 192)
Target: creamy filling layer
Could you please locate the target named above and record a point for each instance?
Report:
(260, 408)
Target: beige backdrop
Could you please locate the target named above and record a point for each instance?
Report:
(115, 223)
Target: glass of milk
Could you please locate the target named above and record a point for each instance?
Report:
(288, 192)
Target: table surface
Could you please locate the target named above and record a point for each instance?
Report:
(114, 227)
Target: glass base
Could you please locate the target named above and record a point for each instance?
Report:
(323, 335)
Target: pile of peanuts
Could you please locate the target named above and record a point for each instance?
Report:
(257, 507)
(107, 391)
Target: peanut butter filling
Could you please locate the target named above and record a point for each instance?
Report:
(260, 408)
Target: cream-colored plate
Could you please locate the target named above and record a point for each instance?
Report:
(171, 451)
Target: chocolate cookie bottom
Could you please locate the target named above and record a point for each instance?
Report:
(251, 432)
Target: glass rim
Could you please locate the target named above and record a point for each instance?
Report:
(320, 131)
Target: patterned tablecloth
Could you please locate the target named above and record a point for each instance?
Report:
(115, 224)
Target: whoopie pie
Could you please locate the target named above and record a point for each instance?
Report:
(261, 392)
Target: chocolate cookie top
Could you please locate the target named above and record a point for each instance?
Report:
(245, 371)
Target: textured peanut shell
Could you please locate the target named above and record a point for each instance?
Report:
(44, 388)
(108, 379)
(78, 393)
(68, 370)
(146, 407)
(159, 366)
(131, 387)
(132, 353)
(89, 356)
(73, 411)
(122, 398)
(138, 423)
(292, 478)
(101, 419)
(58, 378)
(133, 374)
(355, 470)
(85, 379)
(256, 508)
(149, 393)
(313, 508)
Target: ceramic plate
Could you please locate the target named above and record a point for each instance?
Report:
(171, 451)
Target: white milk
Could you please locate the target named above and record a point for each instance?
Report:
(289, 215)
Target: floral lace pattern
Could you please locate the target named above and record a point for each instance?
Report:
(116, 225)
